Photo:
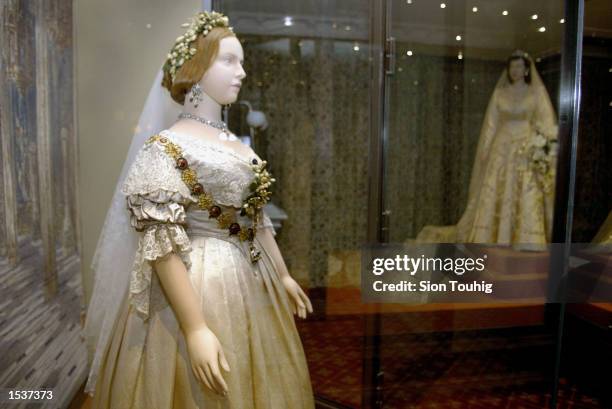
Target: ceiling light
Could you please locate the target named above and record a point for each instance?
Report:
(542, 29)
(460, 56)
(458, 38)
(409, 53)
(562, 21)
(505, 12)
(475, 9)
(534, 17)
(288, 21)
(442, 5)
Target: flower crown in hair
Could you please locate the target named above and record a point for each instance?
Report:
(520, 53)
(202, 24)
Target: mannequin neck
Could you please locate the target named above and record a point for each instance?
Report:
(207, 108)
(519, 83)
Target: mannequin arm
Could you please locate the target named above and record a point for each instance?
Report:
(268, 241)
(173, 276)
(205, 351)
(300, 303)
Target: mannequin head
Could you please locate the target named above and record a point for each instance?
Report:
(216, 66)
(519, 68)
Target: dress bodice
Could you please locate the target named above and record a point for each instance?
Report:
(516, 108)
(225, 174)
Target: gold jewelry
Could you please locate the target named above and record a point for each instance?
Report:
(252, 205)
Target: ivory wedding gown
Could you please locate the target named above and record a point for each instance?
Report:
(146, 365)
(507, 201)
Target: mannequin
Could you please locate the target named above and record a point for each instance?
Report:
(511, 189)
(207, 321)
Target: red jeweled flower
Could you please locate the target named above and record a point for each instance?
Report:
(197, 188)
(234, 228)
(214, 211)
(182, 163)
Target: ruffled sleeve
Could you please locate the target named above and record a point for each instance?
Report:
(156, 198)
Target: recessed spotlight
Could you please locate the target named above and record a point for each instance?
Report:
(356, 47)
(562, 21)
(475, 9)
(505, 12)
(460, 56)
(408, 1)
(534, 17)
(542, 29)
(442, 5)
(288, 21)
(409, 53)
(347, 28)
(458, 38)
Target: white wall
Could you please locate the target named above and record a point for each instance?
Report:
(119, 46)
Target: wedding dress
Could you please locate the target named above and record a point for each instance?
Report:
(510, 201)
(146, 363)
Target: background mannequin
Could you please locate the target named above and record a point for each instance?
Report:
(510, 194)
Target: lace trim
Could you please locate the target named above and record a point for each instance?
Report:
(157, 242)
(156, 207)
(217, 147)
(224, 177)
(154, 174)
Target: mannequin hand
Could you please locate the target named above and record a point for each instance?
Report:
(297, 297)
(205, 354)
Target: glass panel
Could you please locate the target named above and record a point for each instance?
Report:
(586, 354)
(307, 65)
(470, 158)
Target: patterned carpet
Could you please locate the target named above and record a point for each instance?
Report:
(495, 368)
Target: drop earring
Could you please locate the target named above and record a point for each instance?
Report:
(196, 95)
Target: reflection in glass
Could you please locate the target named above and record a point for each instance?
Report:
(604, 235)
(511, 189)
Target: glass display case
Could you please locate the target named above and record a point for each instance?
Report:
(391, 116)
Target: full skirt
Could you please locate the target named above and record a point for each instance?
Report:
(147, 365)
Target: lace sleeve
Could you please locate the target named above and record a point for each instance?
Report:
(156, 198)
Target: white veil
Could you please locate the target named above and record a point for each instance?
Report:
(118, 241)
(545, 122)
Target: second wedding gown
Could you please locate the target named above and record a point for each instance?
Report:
(507, 202)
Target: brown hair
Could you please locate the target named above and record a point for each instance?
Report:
(527, 66)
(192, 70)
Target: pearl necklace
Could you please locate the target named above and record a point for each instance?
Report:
(225, 134)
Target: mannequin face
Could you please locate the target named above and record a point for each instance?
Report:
(225, 71)
(517, 70)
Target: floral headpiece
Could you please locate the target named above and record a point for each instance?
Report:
(182, 51)
(520, 53)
